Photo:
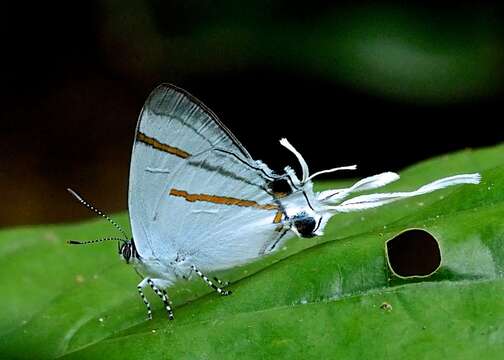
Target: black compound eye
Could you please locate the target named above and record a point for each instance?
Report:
(126, 253)
(305, 225)
(280, 187)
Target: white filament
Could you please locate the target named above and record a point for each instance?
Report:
(371, 182)
(375, 200)
(304, 166)
(351, 167)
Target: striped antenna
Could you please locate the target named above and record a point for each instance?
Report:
(100, 213)
(77, 242)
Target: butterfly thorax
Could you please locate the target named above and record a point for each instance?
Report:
(170, 268)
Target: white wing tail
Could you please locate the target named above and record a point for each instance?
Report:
(375, 200)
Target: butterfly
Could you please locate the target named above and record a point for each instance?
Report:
(199, 202)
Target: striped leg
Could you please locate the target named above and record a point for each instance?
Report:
(164, 296)
(146, 302)
(221, 283)
(210, 283)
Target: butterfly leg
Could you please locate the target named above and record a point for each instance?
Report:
(163, 295)
(210, 283)
(221, 283)
(144, 299)
(277, 241)
(275, 244)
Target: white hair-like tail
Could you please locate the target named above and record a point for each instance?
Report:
(337, 195)
(304, 166)
(364, 202)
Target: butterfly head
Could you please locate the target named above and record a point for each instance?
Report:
(128, 251)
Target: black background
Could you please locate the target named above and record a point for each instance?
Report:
(75, 76)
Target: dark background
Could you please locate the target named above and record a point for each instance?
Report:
(383, 85)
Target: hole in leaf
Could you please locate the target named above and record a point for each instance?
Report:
(413, 253)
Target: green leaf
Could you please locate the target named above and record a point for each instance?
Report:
(328, 297)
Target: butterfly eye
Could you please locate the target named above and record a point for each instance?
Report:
(280, 187)
(126, 252)
(305, 225)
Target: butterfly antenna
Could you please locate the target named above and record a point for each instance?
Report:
(76, 242)
(100, 213)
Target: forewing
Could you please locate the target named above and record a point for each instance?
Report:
(173, 127)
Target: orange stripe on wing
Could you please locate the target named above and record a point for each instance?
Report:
(278, 217)
(223, 200)
(162, 147)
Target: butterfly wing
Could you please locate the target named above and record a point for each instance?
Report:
(193, 186)
(224, 214)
